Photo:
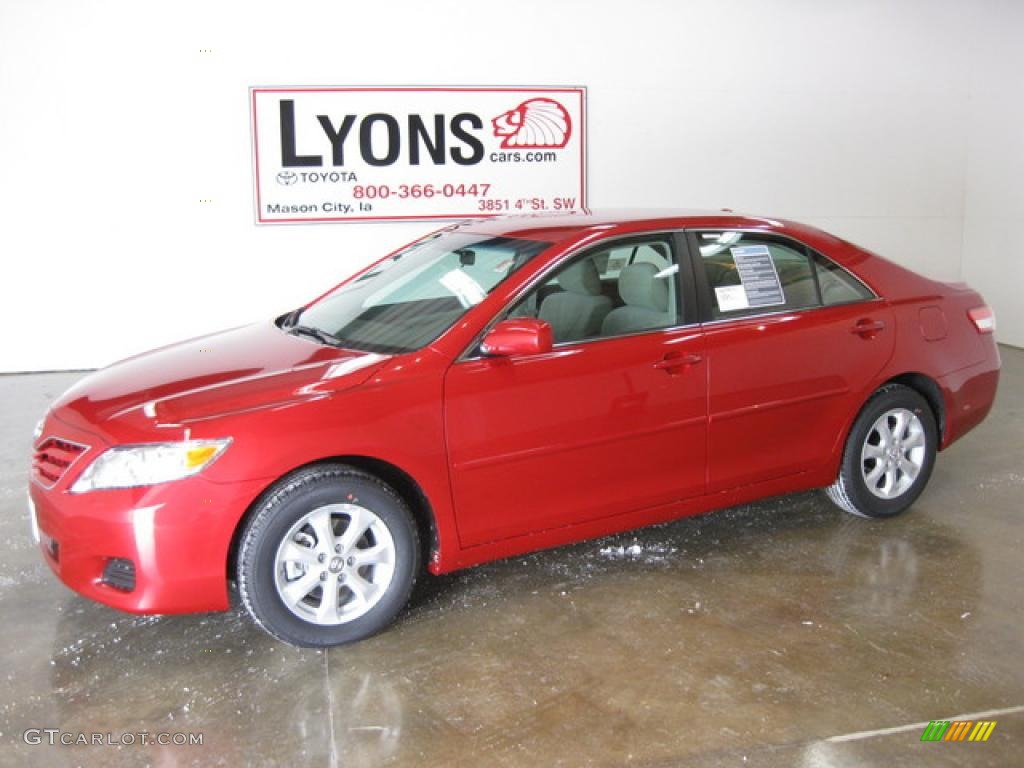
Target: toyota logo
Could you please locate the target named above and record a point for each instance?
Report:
(287, 178)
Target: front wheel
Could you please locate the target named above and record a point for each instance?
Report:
(889, 454)
(328, 557)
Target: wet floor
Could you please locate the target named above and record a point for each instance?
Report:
(782, 633)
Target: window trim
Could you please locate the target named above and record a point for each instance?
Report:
(687, 293)
(706, 296)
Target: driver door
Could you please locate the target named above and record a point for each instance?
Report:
(612, 420)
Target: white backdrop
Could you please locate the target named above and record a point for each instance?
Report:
(896, 124)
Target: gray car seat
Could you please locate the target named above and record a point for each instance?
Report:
(647, 302)
(578, 311)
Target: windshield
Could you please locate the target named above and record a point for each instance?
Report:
(411, 298)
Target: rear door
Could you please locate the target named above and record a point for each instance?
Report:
(793, 342)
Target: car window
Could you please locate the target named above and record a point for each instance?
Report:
(409, 299)
(837, 285)
(752, 273)
(628, 287)
(468, 273)
(610, 261)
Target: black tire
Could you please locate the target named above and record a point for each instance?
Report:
(851, 492)
(281, 508)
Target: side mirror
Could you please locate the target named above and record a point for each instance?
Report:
(521, 336)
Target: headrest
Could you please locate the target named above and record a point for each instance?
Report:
(582, 278)
(639, 288)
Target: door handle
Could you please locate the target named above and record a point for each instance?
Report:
(671, 362)
(867, 329)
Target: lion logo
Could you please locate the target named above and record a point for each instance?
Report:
(534, 123)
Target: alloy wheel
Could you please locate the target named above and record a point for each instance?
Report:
(893, 453)
(334, 564)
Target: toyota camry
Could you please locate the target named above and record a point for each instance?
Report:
(498, 387)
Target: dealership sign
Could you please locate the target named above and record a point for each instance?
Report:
(358, 154)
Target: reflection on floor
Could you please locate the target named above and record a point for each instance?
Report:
(753, 636)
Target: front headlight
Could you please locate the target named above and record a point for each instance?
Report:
(129, 466)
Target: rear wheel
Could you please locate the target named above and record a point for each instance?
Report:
(329, 557)
(889, 454)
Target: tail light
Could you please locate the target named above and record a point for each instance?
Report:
(984, 319)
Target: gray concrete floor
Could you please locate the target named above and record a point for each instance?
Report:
(782, 633)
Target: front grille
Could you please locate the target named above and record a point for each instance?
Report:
(119, 573)
(53, 458)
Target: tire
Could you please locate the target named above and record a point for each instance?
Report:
(889, 454)
(300, 544)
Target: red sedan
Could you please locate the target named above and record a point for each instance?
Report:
(500, 387)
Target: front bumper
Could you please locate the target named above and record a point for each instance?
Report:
(176, 535)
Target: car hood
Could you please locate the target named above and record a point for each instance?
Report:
(229, 373)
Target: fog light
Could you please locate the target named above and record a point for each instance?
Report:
(119, 573)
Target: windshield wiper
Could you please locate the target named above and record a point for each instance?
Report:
(322, 336)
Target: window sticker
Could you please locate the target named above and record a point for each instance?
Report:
(757, 274)
(731, 298)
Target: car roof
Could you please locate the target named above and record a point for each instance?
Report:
(556, 227)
